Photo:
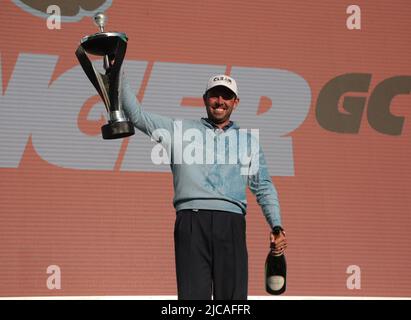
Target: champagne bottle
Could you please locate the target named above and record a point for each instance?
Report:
(275, 270)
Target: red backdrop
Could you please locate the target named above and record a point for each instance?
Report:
(111, 231)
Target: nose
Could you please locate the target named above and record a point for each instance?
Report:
(220, 100)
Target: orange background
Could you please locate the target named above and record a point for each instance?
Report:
(348, 203)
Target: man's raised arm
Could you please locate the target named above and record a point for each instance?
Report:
(146, 122)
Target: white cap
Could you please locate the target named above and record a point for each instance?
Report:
(222, 80)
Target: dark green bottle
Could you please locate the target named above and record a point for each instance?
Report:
(275, 271)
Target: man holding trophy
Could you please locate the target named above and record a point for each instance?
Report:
(209, 197)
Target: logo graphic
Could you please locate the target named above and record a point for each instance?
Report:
(71, 11)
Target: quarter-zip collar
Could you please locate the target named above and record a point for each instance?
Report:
(212, 125)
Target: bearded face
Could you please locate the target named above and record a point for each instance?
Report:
(220, 103)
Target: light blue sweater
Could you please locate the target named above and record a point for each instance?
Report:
(215, 185)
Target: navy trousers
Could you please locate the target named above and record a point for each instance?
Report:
(211, 255)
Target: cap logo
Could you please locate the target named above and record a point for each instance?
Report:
(222, 79)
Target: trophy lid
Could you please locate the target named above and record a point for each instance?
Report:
(100, 20)
(102, 43)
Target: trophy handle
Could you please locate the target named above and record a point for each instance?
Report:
(95, 77)
(113, 74)
(110, 80)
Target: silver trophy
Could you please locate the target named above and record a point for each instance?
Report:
(112, 47)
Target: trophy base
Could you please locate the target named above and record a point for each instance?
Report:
(116, 130)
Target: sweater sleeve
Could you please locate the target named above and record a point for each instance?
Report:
(260, 184)
(149, 123)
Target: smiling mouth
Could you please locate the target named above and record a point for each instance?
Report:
(219, 110)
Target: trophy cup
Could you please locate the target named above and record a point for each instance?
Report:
(112, 47)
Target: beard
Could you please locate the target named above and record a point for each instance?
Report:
(219, 113)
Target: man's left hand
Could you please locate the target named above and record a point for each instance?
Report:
(279, 242)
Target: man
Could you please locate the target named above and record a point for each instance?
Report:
(210, 196)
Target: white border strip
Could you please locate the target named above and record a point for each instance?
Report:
(175, 298)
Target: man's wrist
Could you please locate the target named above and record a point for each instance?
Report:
(277, 229)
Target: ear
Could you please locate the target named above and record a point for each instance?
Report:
(205, 99)
(236, 102)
